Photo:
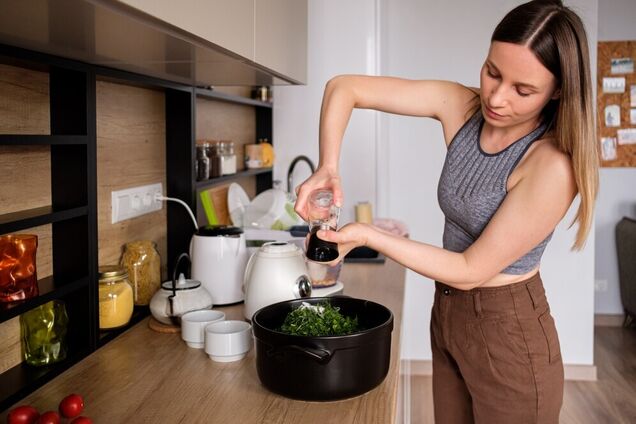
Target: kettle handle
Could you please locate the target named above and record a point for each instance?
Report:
(176, 269)
(248, 271)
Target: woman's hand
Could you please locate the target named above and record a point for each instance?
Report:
(348, 237)
(323, 178)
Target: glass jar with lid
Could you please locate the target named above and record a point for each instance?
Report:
(228, 157)
(215, 159)
(143, 264)
(115, 297)
(202, 162)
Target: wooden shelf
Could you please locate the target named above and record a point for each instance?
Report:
(41, 140)
(139, 313)
(29, 218)
(49, 290)
(230, 98)
(22, 379)
(202, 185)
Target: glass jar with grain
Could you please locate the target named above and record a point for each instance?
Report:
(115, 297)
(143, 264)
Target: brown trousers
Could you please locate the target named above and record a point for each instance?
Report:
(496, 356)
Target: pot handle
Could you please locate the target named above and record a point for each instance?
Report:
(321, 356)
(248, 271)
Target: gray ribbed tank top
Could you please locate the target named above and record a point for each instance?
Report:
(473, 185)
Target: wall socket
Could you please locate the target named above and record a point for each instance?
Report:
(135, 201)
(600, 285)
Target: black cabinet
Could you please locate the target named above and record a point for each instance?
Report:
(73, 209)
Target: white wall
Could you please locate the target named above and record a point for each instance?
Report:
(419, 39)
(617, 196)
(341, 39)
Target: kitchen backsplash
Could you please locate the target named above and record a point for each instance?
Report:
(131, 150)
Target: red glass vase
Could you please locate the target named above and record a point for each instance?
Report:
(18, 277)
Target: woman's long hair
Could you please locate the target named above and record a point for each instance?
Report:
(557, 37)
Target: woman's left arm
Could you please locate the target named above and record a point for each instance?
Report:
(530, 211)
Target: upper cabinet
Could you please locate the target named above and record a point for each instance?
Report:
(280, 41)
(271, 33)
(200, 42)
(227, 23)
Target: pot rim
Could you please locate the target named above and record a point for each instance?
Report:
(358, 334)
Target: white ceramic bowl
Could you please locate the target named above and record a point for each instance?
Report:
(193, 325)
(227, 341)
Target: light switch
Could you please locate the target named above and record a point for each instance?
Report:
(136, 201)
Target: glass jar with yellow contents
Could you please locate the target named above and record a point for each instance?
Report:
(142, 262)
(115, 297)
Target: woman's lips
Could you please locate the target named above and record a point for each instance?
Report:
(492, 114)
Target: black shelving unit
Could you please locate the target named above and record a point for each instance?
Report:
(72, 215)
(182, 183)
(73, 209)
(139, 313)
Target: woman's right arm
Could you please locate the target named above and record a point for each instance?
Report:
(445, 101)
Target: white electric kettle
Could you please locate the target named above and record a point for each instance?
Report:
(274, 273)
(219, 256)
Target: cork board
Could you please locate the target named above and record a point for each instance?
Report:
(616, 111)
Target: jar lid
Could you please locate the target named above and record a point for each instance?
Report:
(141, 244)
(219, 230)
(111, 273)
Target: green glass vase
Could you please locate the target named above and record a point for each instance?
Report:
(43, 333)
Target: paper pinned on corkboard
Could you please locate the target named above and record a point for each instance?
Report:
(616, 103)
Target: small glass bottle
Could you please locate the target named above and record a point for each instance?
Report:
(215, 160)
(323, 215)
(143, 264)
(115, 297)
(43, 333)
(203, 163)
(228, 163)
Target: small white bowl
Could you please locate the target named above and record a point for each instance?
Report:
(193, 325)
(227, 341)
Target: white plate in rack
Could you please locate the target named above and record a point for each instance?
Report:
(237, 202)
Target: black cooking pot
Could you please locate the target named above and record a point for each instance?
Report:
(323, 368)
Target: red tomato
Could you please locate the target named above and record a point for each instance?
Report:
(23, 414)
(49, 417)
(82, 420)
(71, 406)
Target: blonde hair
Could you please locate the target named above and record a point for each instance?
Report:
(557, 37)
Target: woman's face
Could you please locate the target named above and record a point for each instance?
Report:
(515, 86)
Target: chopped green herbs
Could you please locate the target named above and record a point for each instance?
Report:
(318, 320)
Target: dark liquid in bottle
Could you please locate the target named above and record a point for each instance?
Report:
(320, 250)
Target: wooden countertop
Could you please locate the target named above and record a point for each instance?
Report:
(148, 377)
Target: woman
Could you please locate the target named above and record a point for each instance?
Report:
(519, 150)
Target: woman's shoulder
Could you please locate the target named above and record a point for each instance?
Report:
(544, 160)
(463, 103)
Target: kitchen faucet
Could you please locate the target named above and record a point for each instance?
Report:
(290, 171)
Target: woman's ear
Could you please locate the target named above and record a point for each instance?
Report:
(556, 95)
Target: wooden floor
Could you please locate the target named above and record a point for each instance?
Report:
(610, 400)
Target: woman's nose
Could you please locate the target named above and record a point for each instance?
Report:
(497, 96)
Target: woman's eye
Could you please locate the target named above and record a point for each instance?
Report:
(522, 93)
(491, 74)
